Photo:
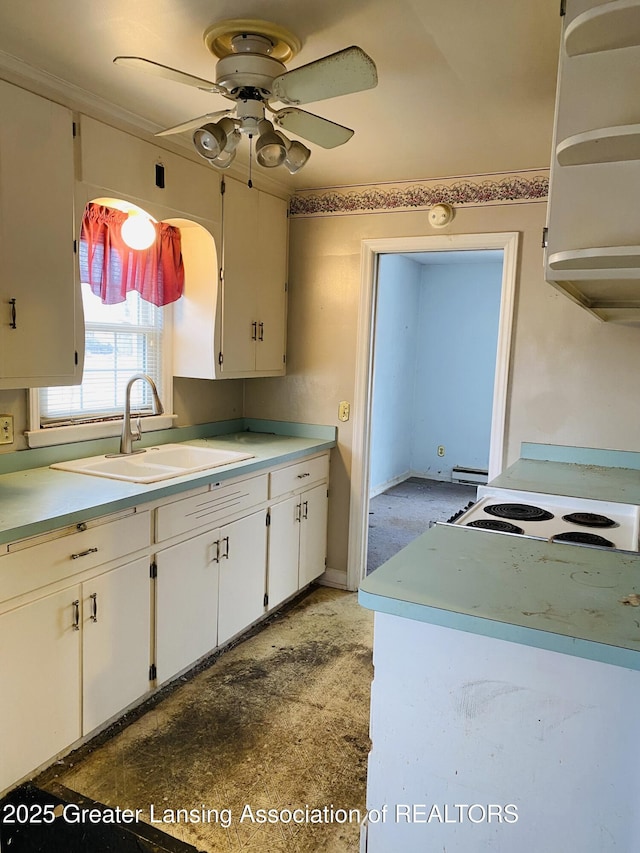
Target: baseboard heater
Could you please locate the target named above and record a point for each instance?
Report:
(471, 476)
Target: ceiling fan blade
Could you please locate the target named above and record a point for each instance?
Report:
(349, 70)
(313, 128)
(193, 123)
(168, 73)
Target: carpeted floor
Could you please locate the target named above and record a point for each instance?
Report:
(280, 721)
(404, 511)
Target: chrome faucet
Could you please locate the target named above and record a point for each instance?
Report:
(129, 434)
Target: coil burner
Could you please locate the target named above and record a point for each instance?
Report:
(518, 512)
(589, 519)
(582, 537)
(495, 524)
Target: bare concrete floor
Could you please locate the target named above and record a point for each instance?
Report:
(280, 721)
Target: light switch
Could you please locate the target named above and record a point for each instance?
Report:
(6, 429)
(344, 411)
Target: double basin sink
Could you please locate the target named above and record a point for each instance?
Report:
(154, 463)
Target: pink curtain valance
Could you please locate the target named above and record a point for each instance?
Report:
(113, 269)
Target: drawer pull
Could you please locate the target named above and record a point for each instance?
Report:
(84, 553)
(302, 476)
(94, 606)
(76, 614)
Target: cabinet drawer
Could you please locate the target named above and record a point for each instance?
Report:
(29, 566)
(297, 476)
(210, 508)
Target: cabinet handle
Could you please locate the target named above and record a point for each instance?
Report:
(76, 614)
(299, 512)
(84, 553)
(216, 544)
(226, 550)
(94, 606)
(13, 324)
(302, 476)
(254, 331)
(261, 335)
(305, 504)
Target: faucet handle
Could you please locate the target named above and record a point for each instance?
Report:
(136, 432)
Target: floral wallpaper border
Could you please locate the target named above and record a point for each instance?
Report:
(466, 191)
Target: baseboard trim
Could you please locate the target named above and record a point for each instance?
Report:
(395, 481)
(333, 578)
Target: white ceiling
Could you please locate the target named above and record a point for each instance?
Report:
(465, 86)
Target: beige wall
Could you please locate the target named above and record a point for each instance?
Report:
(573, 379)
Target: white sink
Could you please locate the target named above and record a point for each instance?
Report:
(155, 463)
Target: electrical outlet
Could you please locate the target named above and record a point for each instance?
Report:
(6, 429)
(441, 450)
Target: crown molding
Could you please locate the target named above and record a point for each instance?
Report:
(20, 73)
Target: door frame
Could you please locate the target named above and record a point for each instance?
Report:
(360, 463)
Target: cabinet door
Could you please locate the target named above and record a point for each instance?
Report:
(37, 281)
(240, 260)
(313, 534)
(186, 603)
(116, 641)
(242, 574)
(40, 689)
(271, 282)
(284, 543)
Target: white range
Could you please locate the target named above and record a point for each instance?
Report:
(558, 518)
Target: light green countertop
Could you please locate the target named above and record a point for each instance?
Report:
(621, 485)
(561, 597)
(36, 500)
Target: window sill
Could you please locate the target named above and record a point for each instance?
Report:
(86, 432)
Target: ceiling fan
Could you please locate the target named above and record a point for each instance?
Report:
(251, 72)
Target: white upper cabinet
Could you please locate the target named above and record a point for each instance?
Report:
(41, 325)
(235, 327)
(593, 240)
(131, 167)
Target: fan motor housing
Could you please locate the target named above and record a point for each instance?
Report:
(238, 71)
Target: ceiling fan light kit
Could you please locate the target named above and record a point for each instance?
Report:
(251, 72)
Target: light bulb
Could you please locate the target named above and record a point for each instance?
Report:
(138, 231)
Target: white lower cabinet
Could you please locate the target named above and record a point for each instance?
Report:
(313, 534)
(40, 700)
(116, 635)
(186, 603)
(243, 548)
(298, 527)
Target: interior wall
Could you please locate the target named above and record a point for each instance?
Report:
(455, 367)
(572, 380)
(396, 336)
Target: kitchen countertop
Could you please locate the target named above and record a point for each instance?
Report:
(564, 598)
(36, 500)
(621, 485)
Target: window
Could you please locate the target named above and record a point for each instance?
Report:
(131, 336)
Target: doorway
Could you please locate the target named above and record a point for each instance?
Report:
(372, 250)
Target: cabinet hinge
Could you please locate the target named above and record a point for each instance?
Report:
(220, 358)
(284, 358)
(563, 8)
(286, 286)
(75, 247)
(75, 357)
(268, 519)
(153, 570)
(74, 129)
(222, 187)
(545, 238)
(266, 600)
(153, 672)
